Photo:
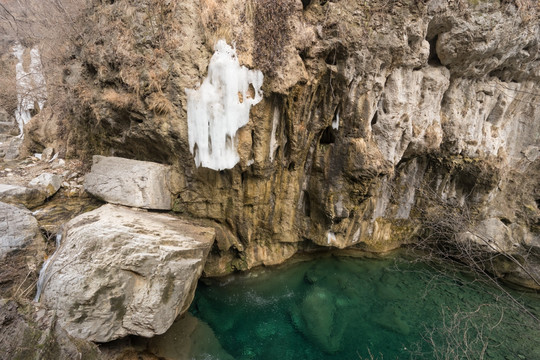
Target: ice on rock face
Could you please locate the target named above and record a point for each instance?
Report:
(219, 107)
(31, 87)
(335, 122)
(273, 140)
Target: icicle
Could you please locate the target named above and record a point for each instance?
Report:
(219, 107)
(335, 122)
(273, 140)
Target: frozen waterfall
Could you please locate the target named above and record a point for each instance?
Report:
(219, 107)
(31, 90)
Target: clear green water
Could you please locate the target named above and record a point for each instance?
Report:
(349, 308)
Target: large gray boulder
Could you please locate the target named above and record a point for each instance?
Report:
(123, 271)
(130, 182)
(22, 250)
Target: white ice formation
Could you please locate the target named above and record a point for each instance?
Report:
(31, 90)
(335, 121)
(219, 107)
(273, 140)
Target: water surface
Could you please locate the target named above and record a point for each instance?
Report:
(354, 308)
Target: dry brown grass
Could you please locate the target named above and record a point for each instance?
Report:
(272, 33)
(159, 104)
(117, 100)
(215, 22)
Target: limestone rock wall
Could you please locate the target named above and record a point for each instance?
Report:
(373, 113)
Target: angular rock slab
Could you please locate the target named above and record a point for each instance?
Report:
(123, 271)
(49, 183)
(128, 182)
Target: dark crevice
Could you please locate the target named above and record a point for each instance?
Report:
(307, 204)
(433, 58)
(292, 166)
(331, 58)
(537, 201)
(375, 118)
(305, 3)
(90, 69)
(328, 136)
(337, 54)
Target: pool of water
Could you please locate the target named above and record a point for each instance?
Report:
(356, 308)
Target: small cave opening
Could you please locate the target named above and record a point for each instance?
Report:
(331, 58)
(307, 204)
(505, 221)
(305, 3)
(433, 58)
(292, 166)
(328, 136)
(537, 201)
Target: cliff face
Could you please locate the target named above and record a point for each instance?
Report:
(378, 120)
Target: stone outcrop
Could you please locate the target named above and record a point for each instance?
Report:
(371, 114)
(130, 182)
(122, 271)
(22, 250)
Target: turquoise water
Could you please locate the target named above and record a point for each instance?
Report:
(356, 308)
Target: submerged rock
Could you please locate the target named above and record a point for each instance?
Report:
(317, 319)
(189, 338)
(123, 271)
(130, 182)
(22, 250)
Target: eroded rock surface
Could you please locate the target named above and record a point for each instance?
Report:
(123, 271)
(130, 182)
(371, 114)
(27, 332)
(22, 251)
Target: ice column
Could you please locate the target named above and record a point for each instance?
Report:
(273, 140)
(31, 90)
(219, 107)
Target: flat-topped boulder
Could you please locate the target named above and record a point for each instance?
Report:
(123, 271)
(128, 182)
